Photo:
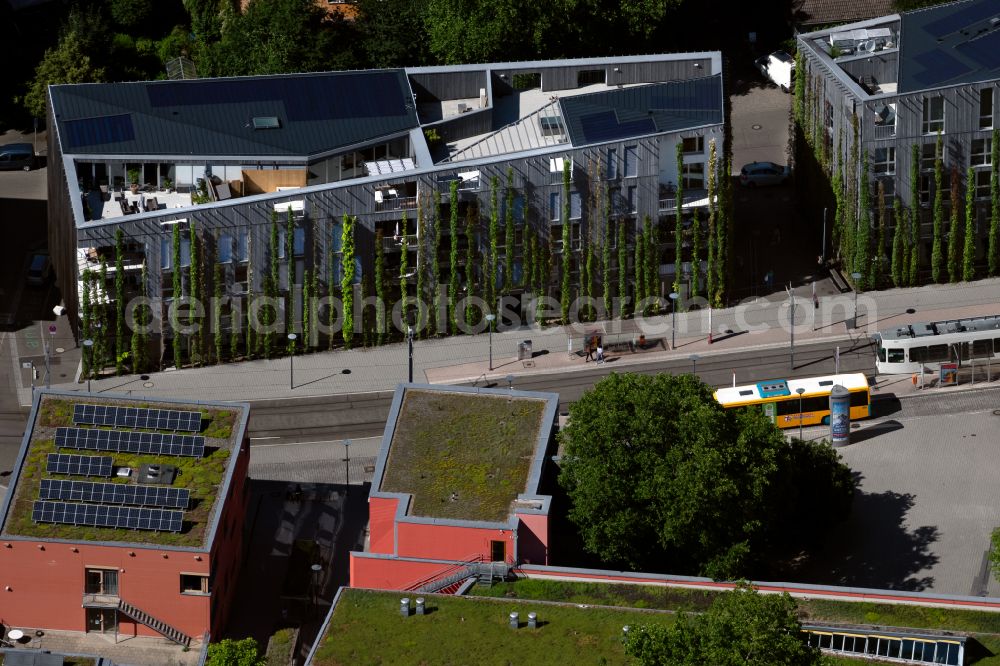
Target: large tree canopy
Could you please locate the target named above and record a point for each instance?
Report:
(660, 477)
(742, 628)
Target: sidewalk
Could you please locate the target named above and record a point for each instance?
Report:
(755, 325)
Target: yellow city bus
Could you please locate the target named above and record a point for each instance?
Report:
(780, 399)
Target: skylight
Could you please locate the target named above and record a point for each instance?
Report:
(266, 122)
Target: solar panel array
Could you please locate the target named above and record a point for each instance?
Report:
(125, 441)
(114, 493)
(64, 463)
(99, 515)
(136, 417)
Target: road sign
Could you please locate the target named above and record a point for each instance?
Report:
(27, 365)
(52, 329)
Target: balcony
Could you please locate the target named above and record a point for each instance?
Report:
(885, 131)
(692, 198)
(395, 243)
(388, 203)
(94, 600)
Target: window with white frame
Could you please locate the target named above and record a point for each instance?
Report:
(693, 176)
(693, 144)
(225, 249)
(986, 108)
(983, 183)
(554, 212)
(632, 204)
(243, 246)
(631, 161)
(575, 206)
(928, 153)
(884, 161)
(981, 152)
(888, 190)
(924, 191)
(933, 120)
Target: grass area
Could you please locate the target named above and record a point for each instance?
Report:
(462, 455)
(470, 630)
(983, 626)
(279, 649)
(78, 661)
(202, 476)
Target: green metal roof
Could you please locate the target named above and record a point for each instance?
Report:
(294, 115)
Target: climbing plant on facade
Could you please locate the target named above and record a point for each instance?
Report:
(955, 229)
(217, 309)
(567, 250)
(380, 287)
(607, 287)
(509, 238)
(471, 222)
(898, 244)
(119, 302)
(913, 260)
(453, 257)
(969, 255)
(177, 283)
(640, 271)
(937, 241)
(626, 307)
(993, 248)
(650, 264)
(712, 179)
(347, 280)
(421, 268)
(492, 262)
(678, 219)
(404, 274)
(86, 322)
(878, 262)
(862, 241)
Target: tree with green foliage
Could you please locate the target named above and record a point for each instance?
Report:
(67, 62)
(862, 240)
(178, 293)
(993, 249)
(639, 267)
(235, 653)
(290, 276)
(404, 274)
(391, 33)
(527, 264)
(695, 255)
(937, 247)
(471, 223)
(421, 267)
(995, 553)
(660, 477)
(101, 317)
(854, 202)
(679, 219)
(915, 217)
(436, 286)
(626, 303)
(268, 314)
(837, 185)
(493, 238)
(453, 257)
(878, 261)
(955, 229)
(898, 264)
(380, 329)
(194, 291)
(86, 322)
(725, 233)
(347, 279)
(741, 628)
(509, 239)
(567, 249)
(969, 254)
(710, 273)
(141, 317)
(119, 302)
(800, 89)
(217, 310)
(651, 264)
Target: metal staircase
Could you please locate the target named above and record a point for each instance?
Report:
(145, 618)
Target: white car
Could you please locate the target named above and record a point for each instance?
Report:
(778, 67)
(764, 173)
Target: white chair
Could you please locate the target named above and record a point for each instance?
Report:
(378, 196)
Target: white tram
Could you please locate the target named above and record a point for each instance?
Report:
(918, 347)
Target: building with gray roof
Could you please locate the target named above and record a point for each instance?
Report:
(219, 158)
(908, 78)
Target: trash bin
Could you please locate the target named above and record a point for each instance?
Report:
(524, 350)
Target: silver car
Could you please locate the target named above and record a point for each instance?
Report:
(764, 173)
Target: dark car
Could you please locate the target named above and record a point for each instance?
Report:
(17, 156)
(764, 173)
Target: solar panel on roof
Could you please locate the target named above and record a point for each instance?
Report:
(114, 493)
(99, 131)
(136, 417)
(604, 126)
(127, 441)
(953, 21)
(65, 463)
(985, 50)
(96, 515)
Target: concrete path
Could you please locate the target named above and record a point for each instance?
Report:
(763, 323)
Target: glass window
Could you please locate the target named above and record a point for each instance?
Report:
(337, 236)
(937, 353)
(933, 120)
(838, 642)
(884, 160)
(828, 115)
(281, 243)
(554, 212)
(575, 206)
(982, 183)
(694, 144)
(926, 184)
(918, 354)
(928, 153)
(981, 152)
(986, 108)
(612, 163)
(243, 246)
(981, 348)
(632, 199)
(299, 241)
(693, 176)
(225, 249)
(896, 355)
(195, 584)
(185, 252)
(906, 651)
(631, 162)
(166, 253)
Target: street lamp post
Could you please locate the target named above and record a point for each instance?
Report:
(510, 382)
(800, 391)
(491, 318)
(291, 360)
(673, 319)
(88, 344)
(347, 463)
(857, 276)
(317, 570)
(694, 364)
(409, 339)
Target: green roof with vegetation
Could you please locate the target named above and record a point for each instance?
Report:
(462, 455)
(202, 476)
(471, 630)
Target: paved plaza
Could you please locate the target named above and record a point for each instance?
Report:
(927, 501)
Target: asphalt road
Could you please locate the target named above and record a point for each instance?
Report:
(364, 415)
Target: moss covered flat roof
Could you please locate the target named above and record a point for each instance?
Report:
(461, 455)
(470, 630)
(202, 476)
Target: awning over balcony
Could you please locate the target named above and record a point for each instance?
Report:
(384, 167)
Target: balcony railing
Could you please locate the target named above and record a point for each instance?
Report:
(391, 243)
(395, 203)
(670, 203)
(91, 600)
(885, 131)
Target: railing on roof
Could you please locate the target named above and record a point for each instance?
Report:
(447, 571)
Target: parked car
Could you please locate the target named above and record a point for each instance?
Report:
(39, 269)
(778, 67)
(17, 156)
(764, 173)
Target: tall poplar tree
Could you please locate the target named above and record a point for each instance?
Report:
(177, 284)
(969, 255)
(509, 238)
(404, 270)
(492, 262)
(937, 247)
(436, 286)
(679, 218)
(607, 288)
(623, 293)
(119, 302)
(862, 241)
(453, 258)
(347, 279)
(712, 206)
(695, 255)
(955, 229)
(913, 272)
(380, 295)
(993, 249)
(567, 250)
(898, 267)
